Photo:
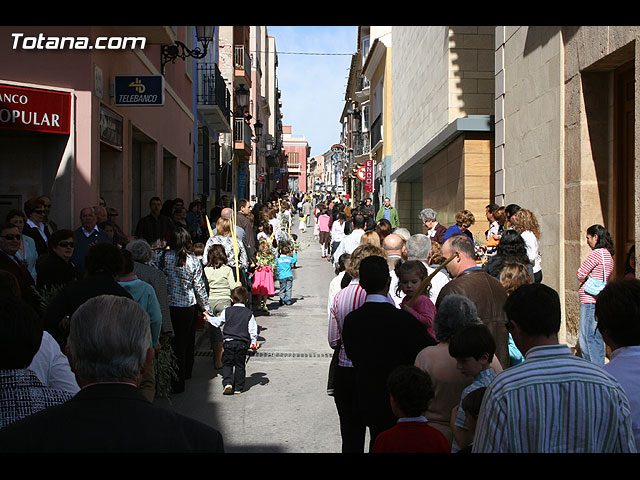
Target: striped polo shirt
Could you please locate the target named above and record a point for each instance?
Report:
(346, 301)
(554, 402)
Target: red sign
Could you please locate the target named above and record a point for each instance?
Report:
(34, 109)
(362, 174)
(368, 175)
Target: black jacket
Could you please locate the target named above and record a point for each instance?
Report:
(109, 418)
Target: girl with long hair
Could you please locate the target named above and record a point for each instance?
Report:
(186, 291)
(599, 265)
(526, 224)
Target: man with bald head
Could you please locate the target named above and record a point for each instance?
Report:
(85, 236)
(396, 250)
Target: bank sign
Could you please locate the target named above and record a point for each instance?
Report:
(34, 109)
(139, 90)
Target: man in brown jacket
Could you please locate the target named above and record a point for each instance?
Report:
(482, 289)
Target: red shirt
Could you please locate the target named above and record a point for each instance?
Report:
(411, 437)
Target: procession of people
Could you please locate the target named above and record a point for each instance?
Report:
(440, 341)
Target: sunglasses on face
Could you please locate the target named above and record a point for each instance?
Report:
(12, 236)
(40, 212)
(112, 214)
(66, 244)
(466, 226)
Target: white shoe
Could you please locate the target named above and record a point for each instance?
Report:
(228, 390)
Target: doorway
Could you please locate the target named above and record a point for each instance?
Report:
(624, 166)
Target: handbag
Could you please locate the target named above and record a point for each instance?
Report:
(593, 286)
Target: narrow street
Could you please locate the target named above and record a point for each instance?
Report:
(285, 407)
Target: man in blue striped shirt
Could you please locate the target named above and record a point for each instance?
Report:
(553, 402)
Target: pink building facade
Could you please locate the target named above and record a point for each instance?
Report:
(297, 151)
(101, 148)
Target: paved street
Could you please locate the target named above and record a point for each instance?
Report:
(285, 408)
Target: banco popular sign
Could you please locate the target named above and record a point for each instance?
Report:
(34, 109)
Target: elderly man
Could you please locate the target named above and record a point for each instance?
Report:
(418, 247)
(554, 401)
(85, 236)
(436, 230)
(23, 393)
(485, 291)
(394, 245)
(109, 349)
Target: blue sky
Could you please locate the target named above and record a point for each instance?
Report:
(313, 86)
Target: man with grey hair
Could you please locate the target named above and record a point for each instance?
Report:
(109, 349)
(142, 257)
(418, 248)
(436, 231)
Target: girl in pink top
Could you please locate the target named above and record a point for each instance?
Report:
(599, 265)
(324, 229)
(410, 275)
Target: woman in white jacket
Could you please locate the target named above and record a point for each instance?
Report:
(526, 224)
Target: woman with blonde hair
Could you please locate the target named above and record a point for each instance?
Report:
(512, 276)
(371, 237)
(526, 224)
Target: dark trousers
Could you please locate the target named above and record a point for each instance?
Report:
(233, 364)
(352, 426)
(183, 320)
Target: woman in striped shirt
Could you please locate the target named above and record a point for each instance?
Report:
(599, 265)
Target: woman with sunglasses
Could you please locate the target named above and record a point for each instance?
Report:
(35, 225)
(464, 220)
(27, 252)
(56, 268)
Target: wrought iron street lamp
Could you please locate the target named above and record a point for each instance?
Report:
(257, 128)
(242, 98)
(204, 34)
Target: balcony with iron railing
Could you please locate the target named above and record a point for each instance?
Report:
(376, 132)
(242, 136)
(213, 97)
(242, 63)
(361, 145)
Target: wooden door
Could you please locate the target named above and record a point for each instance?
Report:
(624, 162)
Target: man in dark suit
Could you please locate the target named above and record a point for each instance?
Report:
(109, 349)
(9, 246)
(378, 337)
(155, 228)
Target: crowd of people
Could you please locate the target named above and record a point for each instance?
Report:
(444, 343)
(180, 267)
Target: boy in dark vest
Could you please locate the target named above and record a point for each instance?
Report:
(239, 331)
